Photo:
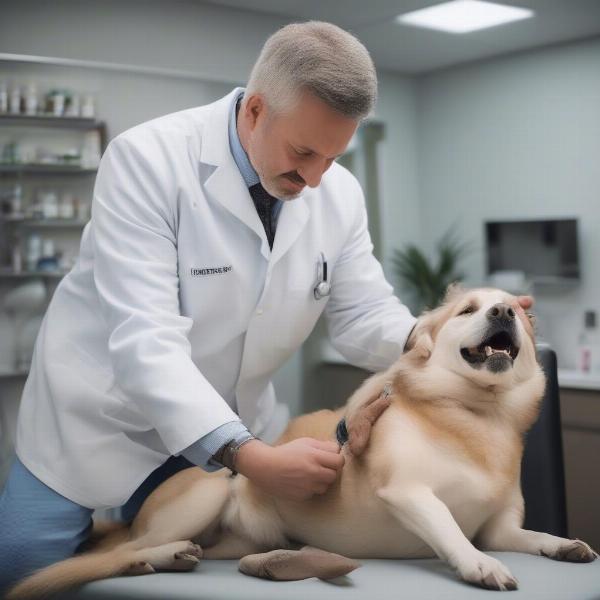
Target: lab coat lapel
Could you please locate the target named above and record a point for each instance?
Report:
(292, 219)
(225, 184)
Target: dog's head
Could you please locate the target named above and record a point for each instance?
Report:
(480, 334)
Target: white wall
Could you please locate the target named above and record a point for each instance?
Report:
(511, 138)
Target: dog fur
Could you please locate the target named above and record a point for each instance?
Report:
(440, 475)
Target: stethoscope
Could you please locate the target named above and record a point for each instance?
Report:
(323, 287)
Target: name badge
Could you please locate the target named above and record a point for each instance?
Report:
(196, 272)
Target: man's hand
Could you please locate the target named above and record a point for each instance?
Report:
(523, 303)
(295, 471)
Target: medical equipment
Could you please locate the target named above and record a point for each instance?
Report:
(323, 287)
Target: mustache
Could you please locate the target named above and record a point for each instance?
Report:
(295, 177)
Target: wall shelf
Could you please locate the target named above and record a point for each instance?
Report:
(23, 221)
(10, 274)
(41, 169)
(49, 121)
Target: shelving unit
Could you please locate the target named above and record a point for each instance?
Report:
(31, 132)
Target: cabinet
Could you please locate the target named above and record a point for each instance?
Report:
(47, 169)
(580, 416)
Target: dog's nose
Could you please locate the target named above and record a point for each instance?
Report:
(501, 311)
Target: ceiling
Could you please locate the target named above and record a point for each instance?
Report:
(413, 50)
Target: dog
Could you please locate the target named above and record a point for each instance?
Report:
(433, 471)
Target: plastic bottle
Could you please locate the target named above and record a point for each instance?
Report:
(31, 100)
(17, 199)
(15, 101)
(3, 98)
(589, 344)
(34, 251)
(17, 257)
(87, 108)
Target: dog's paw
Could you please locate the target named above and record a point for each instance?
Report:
(487, 572)
(178, 556)
(139, 567)
(571, 551)
(187, 558)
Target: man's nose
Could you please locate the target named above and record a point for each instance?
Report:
(313, 173)
(501, 311)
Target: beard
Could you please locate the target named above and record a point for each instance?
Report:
(273, 187)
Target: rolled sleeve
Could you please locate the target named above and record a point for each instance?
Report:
(200, 453)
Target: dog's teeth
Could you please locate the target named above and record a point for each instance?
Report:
(489, 351)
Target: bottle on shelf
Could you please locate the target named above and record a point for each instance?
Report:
(17, 200)
(17, 256)
(47, 261)
(66, 208)
(50, 204)
(589, 345)
(3, 98)
(14, 103)
(34, 251)
(87, 108)
(31, 100)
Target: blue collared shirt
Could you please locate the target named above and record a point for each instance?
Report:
(241, 158)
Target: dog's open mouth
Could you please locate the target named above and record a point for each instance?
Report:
(498, 346)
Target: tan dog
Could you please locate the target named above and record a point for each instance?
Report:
(441, 470)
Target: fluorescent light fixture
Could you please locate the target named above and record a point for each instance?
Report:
(464, 16)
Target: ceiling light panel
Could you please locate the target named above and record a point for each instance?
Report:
(464, 16)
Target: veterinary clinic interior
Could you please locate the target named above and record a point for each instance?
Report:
(478, 164)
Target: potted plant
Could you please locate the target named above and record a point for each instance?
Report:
(426, 281)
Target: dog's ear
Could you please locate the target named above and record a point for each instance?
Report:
(453, 291)
(420, 342)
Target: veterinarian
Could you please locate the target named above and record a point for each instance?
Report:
(218, 236)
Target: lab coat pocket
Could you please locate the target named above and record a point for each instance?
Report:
(295, 323)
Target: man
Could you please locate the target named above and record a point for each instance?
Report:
(196, 281)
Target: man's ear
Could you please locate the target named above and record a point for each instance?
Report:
(253, 107)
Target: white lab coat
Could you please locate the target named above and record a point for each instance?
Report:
(139, 355)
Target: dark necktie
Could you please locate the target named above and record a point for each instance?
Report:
(264, 202)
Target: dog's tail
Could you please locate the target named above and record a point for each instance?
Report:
(72, 572)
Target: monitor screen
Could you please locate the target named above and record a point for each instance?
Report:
(543, 250)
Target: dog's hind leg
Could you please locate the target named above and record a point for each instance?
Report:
(293, 565)
(180, 510)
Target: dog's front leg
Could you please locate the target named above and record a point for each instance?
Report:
(421, 512)
(504, 532)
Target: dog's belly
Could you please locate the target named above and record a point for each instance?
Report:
(375, 536)
(353, 521)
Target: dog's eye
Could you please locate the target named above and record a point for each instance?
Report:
(467, 311)
(531, 318)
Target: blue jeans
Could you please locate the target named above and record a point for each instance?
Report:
(39, 527)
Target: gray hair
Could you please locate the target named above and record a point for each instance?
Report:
(320, 58)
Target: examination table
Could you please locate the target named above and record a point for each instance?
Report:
(430, 579)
